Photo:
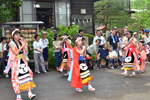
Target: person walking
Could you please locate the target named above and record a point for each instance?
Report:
(131, 60)
(21, 75)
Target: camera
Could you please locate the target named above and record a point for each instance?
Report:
(66, 38)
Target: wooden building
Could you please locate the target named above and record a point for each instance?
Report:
(58, 12)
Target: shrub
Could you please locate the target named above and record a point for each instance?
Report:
(72, 30)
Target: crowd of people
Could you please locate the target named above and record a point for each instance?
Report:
(128, 51)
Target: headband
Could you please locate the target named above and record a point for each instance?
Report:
(80, 38)
(14, 31)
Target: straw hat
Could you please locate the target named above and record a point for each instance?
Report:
(134, 33)
(122, 46)
(44, 32)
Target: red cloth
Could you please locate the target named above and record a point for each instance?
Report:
(76, 78)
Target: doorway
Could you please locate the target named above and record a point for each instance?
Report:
(44, 12)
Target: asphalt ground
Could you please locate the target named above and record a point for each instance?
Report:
(109, 84)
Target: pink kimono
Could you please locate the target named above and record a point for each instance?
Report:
(135, 52)
(144, 57)
(15, 62)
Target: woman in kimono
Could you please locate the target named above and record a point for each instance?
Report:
(131, 60)
(21, 76)
(80, 73)
(143, 56)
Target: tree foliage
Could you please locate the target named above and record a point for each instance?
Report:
(8, 8)
(112, 13)
(142, 18)
(137, 4)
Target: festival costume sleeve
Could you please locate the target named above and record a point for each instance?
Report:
(8, 67)
(71, 69)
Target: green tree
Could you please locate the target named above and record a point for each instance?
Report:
(137, 4)
(142, 18)
(8, 8)
(112, 13)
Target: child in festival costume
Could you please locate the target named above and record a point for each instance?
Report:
(143, 56)
(80, 73)
(21, 76)
(66, 49)
(131, 61)
(6, 71)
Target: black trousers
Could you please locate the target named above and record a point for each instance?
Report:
(98, 62)
(101, 46)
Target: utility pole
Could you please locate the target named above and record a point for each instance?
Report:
(129, 6)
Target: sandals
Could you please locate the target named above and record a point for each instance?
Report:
(132, 75)
(60, 72)
(79, 90)
(32, 96)
(66, 74)
(124, 74)
(92, 89)
(18, 99)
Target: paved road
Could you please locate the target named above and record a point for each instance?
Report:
(109, 84)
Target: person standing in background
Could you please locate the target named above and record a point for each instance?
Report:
(81, 31)
(2, 48)
(45, 43)
(125, 38)
(38, 54)
(121, 39)
(126, 27)
(124, 31)
(142, 33)
(147, 41)
(58, 53)
(118, 34)
(99, 36)
(114, 41)
(5, 58)
(135, 35)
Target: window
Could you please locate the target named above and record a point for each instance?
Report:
(28, 12)
(62, 13)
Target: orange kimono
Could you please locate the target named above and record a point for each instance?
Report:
(76, 80)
